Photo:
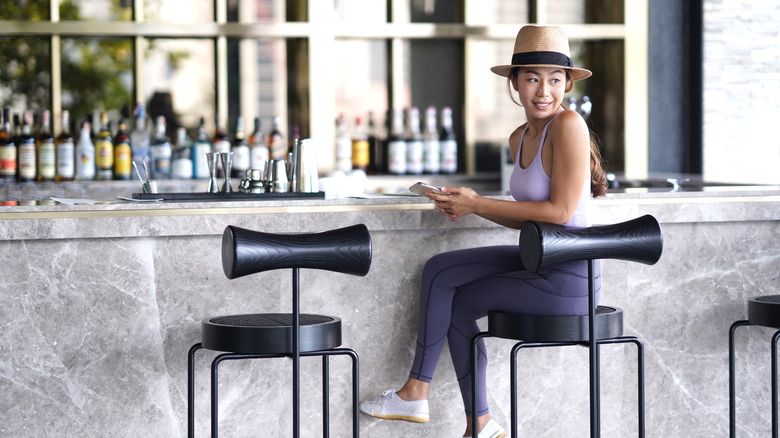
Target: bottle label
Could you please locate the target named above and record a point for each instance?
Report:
(161, 160)
(66, 165)
(278, 148)
(360, 154)
(47, 161)
(414, 157)
(26, 159)
(241, 158)
(221, 146)
(182, 168)
(8, 160)
(396, 157)
(432, 156)
(258, 155)
(104, 154)
(122, 161)
(200, 165)
(449, 156)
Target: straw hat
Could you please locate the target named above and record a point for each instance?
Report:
(542, 46)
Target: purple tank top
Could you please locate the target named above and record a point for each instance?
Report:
(533, 184)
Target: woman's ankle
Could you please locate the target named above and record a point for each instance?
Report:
(413, 389)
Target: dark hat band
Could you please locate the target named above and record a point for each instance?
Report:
(541, 58)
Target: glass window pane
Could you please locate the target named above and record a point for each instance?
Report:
(585, 11)
(263, 84)
(361, 79)
(25, 78)
(259, 11)
(178, 81)
(361, 11)
(97, 76)
(34, 10)
(178, 11)
(436, 11)
(99, 10)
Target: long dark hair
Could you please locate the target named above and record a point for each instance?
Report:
(598, 176)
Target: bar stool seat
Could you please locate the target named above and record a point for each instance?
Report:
(763, 311)
(555, 328)
(273, 335)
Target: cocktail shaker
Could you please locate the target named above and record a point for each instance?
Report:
(305, 175)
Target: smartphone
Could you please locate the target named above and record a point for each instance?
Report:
(422, 188)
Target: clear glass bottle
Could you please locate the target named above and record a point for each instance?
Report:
(26, 159)
(201, 146)
(65, 151)
(431, 147)
(240, 150)
(343, 145)
(161, 151)
(139, 138)
(123, 153)
(47, 159)
(182, 156)
(258, 149)
(396, 144)
(104, 150)
(414, 143)
(85, 155)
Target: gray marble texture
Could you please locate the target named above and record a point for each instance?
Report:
(98, 310)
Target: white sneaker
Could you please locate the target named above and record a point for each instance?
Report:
(491, 430)
(391, 407)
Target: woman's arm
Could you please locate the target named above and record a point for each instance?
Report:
(568, 161)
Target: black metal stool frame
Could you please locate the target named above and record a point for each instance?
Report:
(346, 250)
(637, 240)
(733, 384)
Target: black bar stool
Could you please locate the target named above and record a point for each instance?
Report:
(542, 245)
(763, 311)
(271, 335)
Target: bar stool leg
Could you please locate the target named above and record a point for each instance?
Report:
(191, 389)
(774, 383)
(732, 379)
(325, 399)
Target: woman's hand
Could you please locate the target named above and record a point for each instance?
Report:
(457, 202)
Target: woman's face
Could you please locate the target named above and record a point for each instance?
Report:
(540, 90)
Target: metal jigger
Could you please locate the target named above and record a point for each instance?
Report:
(227, 166)
(212, 158)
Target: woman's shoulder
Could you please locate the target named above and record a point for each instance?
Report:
(515, 135)
(566, 122)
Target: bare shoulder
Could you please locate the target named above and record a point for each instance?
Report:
(569, 125)
(514, 137)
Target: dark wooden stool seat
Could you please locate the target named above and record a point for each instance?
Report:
(763, 311)
(555, 328)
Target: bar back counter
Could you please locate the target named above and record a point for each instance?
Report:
(100, 303)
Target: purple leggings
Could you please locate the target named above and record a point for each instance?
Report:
(459, 287)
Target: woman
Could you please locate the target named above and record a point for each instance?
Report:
(557, 168)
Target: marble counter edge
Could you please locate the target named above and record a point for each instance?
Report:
(378, 213)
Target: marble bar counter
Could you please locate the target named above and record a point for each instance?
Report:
(99, 305)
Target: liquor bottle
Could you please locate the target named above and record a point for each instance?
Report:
(448, 143)
(258, 149)
(431, 147)
(240, 150)
(139, 138)
(182, 156)
(7, 148)
(85, 155)
(104, 150)
(396, 144)
(123, 153)
(360, 148)
(201, 146)
(276, 144)
(27, 154)
(220, 143)
(65, 151)
(343, 145)
(47, 159)
(375, 158)
(161, 151)
(414, 143)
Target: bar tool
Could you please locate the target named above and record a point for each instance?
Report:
(279, 182)
(143, 184)
(227, 167)
(305, 176)
(212, 158)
